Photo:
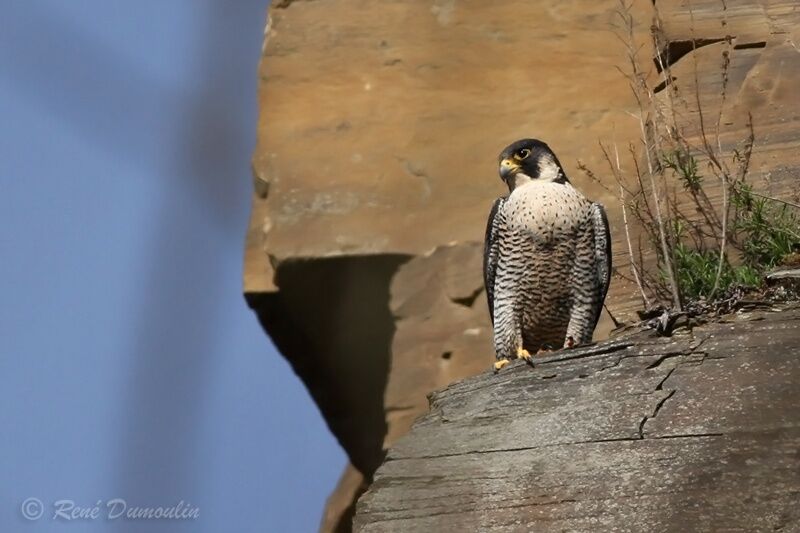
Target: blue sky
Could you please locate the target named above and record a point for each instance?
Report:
(130, 366)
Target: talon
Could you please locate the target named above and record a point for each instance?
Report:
(570, 342)
(500, 364)
(522, 353)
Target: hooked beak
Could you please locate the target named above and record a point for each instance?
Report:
(508, 169)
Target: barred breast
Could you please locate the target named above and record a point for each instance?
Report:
(543, 264)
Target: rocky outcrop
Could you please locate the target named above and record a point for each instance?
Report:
(698, 432)
(375, 170)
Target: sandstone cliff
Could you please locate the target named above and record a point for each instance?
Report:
(375, 169)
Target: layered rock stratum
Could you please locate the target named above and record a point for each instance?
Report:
(698, 432)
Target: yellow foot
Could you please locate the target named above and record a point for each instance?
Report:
(522, 353)
(500, 364)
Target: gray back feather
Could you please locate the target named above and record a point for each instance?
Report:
(491, 251)
(602, 251)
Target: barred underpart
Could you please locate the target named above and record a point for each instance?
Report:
(547, 267)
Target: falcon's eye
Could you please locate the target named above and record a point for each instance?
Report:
(523, 154)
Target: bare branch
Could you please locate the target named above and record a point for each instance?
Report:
(634, 267)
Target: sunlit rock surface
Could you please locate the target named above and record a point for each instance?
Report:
(375, 169)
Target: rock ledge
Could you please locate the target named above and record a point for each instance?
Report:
(699, 431)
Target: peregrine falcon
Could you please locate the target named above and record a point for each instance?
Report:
(547, 257)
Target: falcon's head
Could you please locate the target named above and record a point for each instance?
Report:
(529, 160)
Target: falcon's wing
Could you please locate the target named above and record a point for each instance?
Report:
(602, 254)
(491, 249)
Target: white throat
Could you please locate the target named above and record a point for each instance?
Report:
(521, 179)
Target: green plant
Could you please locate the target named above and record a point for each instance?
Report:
(762, 232)
(770, 229)
(697, 272)
(685, 166)
(699, 247)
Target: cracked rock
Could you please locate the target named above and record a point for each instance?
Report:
(627, 435)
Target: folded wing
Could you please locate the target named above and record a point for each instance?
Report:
(491, 251)
(602, 252)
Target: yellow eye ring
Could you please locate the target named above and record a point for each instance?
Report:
(522, 154)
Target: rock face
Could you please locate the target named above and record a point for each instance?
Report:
(763, 72)
(698, 432)
(375, 169)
